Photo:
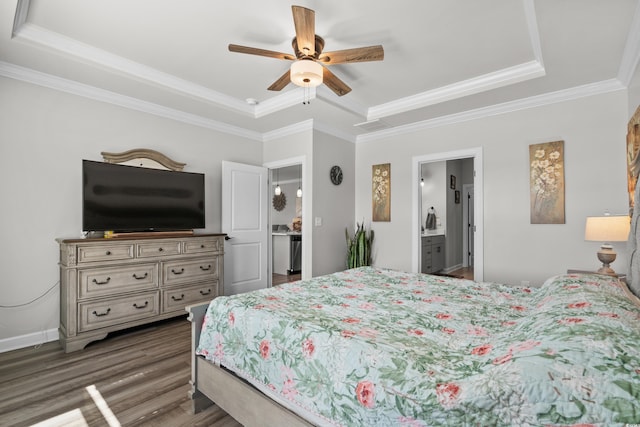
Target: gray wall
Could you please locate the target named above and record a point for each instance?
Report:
(45, 135)
(594, 131)
(334, 204)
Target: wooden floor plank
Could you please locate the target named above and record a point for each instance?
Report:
(141, 374)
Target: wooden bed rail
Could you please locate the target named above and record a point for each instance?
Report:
(211, 383)
(196, 317)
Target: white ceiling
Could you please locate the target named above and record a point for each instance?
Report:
(445, 60)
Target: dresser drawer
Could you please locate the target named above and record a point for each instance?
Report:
(96, 282)
(175, 272)
(113, 311)
(177, 298)
(154, 249)
(203, 245)
(111, 252)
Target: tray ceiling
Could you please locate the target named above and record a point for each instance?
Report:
(445, 60)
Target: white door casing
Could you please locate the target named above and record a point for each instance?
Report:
(468, 225)
(245, 221)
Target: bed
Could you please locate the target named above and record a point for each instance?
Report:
(376, 347)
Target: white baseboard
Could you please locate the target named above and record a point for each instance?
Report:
(33, 339)
(452, 268)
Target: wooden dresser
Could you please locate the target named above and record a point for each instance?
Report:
(112, 284)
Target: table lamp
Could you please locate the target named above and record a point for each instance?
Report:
(607, 229)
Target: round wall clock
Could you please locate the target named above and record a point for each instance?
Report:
(279, 202)
(336, 175)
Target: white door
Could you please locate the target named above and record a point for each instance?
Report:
(469, 225)
(245, 221)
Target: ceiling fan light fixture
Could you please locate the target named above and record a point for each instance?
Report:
(306, 73)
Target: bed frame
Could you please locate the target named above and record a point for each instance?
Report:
(213, 384)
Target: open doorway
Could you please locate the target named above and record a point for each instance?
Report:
(449, 203)
(444, 220)
(285, 216)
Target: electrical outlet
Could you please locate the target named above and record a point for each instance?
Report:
(318, 221)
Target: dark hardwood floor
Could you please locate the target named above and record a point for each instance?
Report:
(464, 272)
(279, 279)
(138, 377)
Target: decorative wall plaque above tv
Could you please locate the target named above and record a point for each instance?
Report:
(124, 198)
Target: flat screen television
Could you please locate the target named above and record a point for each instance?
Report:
(128, 198)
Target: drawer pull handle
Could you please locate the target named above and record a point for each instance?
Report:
(173, 297)
(135, 276)
(108, 252)
(101, 283)
(207, 268)
(135, 304)
(203, 293)
(102, 314)
(177, 272)
(160, 249)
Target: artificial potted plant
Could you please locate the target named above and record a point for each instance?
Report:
(359, 246)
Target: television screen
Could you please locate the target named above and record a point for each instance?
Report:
(129, 198)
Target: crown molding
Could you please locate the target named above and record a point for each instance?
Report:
(285, 100)
(500, 78)
(35, 34)
(493, 80)
(577, 92)
(32, 33)
(342, 102)
(86, 91)
(22, 11)
(25, 31)
(303, 126)
(330, 130)
(631, 53)
(532, 26)
(69, 86)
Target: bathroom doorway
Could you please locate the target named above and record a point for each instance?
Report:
(452, 173)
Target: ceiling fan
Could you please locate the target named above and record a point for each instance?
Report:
(309, 66)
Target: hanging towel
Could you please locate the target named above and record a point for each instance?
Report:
(431, 220)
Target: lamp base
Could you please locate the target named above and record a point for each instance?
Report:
(606, 255)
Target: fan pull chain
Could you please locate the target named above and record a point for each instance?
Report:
(307, 96)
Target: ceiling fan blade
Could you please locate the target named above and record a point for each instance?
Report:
(260, 52)
(305, 22)
(334, 83)
(360, 54)
(282, 82)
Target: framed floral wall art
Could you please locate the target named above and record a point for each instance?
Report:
(546, 185)
(381, 192)
(633, 147)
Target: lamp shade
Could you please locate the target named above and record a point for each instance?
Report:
(306, 73)
(612, 228)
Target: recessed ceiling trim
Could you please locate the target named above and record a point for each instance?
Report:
(86, 91)
(285, 100)
(493, 80)
(306, 125)
(577, 92)
(35, 34)
(631, 53)
(532, 25)
(347, 104)
(22, 11)
(330, 130)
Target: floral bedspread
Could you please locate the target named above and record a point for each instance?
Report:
(375, 347)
